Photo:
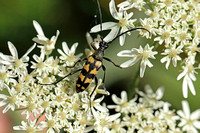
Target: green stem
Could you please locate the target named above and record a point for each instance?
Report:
(134, 84)
(40, 116)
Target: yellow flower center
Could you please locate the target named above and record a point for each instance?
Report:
(168, 2)
(40, 65)
(3, 76)
(123, 22)
(169, 21)
(184, 17)
(17, 63)
(19, 87)
(27, 77)
(71, 59)
(30, 130)
(123, 105)
(59, 99)
(12, 99)
(46, 80)
(153, 14)
(51, 123)
(173, 53)
(145, 55)
(165, 35)
(183, 36)
(190, 68)
(62, 115)
(45, 104)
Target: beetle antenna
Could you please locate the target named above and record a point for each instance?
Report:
(100, 17)
(127, 32)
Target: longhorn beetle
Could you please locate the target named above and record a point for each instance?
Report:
(93, 63)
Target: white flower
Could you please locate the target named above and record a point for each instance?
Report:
(128, 4)
(122, 105)
(14, 61)
(172, 53)
(188, 76)
(29, 127)
(91, 104)
(104, 120)
(124, 23)
(189, 121)
(51, 123)
(42, 39)
(68, 56)
(166, 35)
(137, 54)
(10, 101)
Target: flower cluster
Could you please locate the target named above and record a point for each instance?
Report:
(172, 23)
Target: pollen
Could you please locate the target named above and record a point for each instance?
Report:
(45, 104)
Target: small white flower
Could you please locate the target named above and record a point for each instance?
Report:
(13, 61)
(122, 105)
(68, 56)
(189, 121)
(51, 123)
(188, 76)
(172, 54)
(10, 101)
(124, 23)
(128, 4)
(166, 35)
(29, 127)
(104, 120)
(42, 39)
(137, 54)
(91, 104)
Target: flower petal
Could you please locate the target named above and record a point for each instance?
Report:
(13, 50)
(38, 28)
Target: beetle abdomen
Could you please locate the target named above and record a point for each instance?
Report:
(90, 69)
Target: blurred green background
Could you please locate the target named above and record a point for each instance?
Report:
(73, 18)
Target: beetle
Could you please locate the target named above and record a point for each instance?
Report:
(94, 62)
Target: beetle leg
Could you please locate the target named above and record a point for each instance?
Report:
(104, 76)
(63, 77)
(109, 60)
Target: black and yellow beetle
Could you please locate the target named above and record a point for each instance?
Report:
(93, 63)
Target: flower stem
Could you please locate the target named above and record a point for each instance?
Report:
(134, 84)
(40, 116)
